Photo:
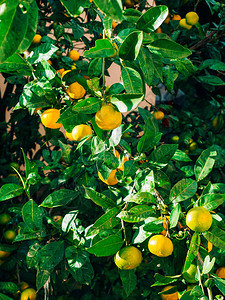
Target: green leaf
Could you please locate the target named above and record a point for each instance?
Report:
(137, 213)
(95, 67)
(10, 190)
(152, 18)
(31, 28)
(216, 236)
(130, 47)
(184, 66)
(211, 80)
(51, 254)
(65, 151)
(70, 119)
(79, 264)
(126, 102)
(162, 155)
(103, 48)
(129, 280)
(175, 214)
(15, 64)
(106, 221)
(146, 63)
(141, 198)
(132, 81)
(179, 155)
(42, 277)
(130, 168)
(210, 201)
(220, 283)
(107, 246)
(74, 7)
(42, 52)
(169, 77)
(144, 181)
(89, 106)
(168, 49)
(165, 280)
(183, 190)
(11, 27)
(192, 251)
(8, 287)
(112, 8)
(32, 215)
(99, 198)
(208, 264)
(32, 255)
(204, 164)
(61, 197)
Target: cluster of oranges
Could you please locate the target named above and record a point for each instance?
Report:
(198, 219)
(190, 19)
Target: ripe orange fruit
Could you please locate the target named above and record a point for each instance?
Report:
(50, 117)
(28, 294)
(190, 274)
(192, 18)
(159, 115)
(159, 30)
(129, 3)
(49, 61)
(210, 246)
(76, 91)
(60, 71)
(69, 136)
(37, 39)
(128, 258)
(160, 245)
(23, 285)
(64, 73)
(199, 219)
(193, 146)
(81, 131)
(114, 24)
(9, 235)
(108, 118)
(111, 180)
(4, 218)
(176, 17)
(74, 55)
(184, 24)
(221, 272)
(167, 20)
(58, 219)
(173, 296)
(4, 254)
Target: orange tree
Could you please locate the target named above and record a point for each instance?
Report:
(110, 200)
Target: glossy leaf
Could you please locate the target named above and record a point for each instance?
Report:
(204, 164)
(175, 214)
(211, 201)
(112, 8)
(126, 102)
(165, 280)
(129, 280)
(192, 251)
(141, 198)
(32, 215)
(216, 236)
(152, 18)
(103, 48)
(42, 277)
(179, 155)
(99, 198)
(183, 190)
(162, 155)
(10, 190)
(51, 254)
(132, 80)
(107, 246)
(168, 49)
(42, 52)
(147, 64)
(208, 264)
(32, 255)
(59, 198)
(65, 151)
(89, 106)
(15, 64)
(137, 213)
(130, 47)
(8, 287)
(74, 7)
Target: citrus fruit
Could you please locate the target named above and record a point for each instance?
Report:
(64, 73)
(28, 294)
(111, 180)
(218, 122)
(184, 24)
(23, 285)
(49, 61)
(69, 136)
(193, 146)
(175, 139)
(37, 39)
(199, 219)
(60, 71)
(37, 109)
(50, 117)
(74, 55)
(176, 17)
(221, 272)
(165, 224)
(192, 18)
(76, 91)
(4, 218)
(108, 118)
(173, 296)
(129, 3)
(4, 254)
(114, 24)
(160, 245)
(210, 246)
(81, 131)
(159, 115)
(58, 219)
(128, 258)
(116, 153)
(9, 235)
(167, 20)
(190, 274)
(158, 30)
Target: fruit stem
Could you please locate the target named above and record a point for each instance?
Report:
(124, 232)
(200, 281)
(103, 65)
